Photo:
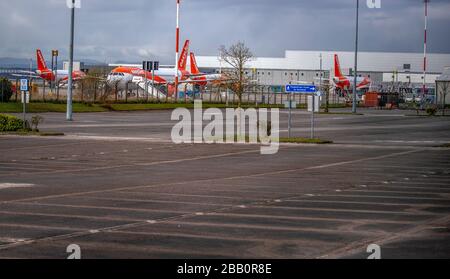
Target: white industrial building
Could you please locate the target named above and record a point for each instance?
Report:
(304, 66)
(77, 66)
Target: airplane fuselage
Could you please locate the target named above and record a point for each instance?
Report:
(347, 82)
(59, 75)
(122, 76)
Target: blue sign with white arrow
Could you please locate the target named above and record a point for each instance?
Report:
(24, 85)
(300, 88)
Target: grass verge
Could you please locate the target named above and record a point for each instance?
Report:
(84, 107)
(49, 107)
(31, 133)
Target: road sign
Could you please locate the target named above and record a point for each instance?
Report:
(150, 65)
(24, 85)
(301, 89)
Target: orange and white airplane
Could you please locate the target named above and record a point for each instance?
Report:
(123, 75)
(200, 78)
(346, 82)
(60, 76)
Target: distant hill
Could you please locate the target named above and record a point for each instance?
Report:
(7, 62)
(127, 62)
(15, 63)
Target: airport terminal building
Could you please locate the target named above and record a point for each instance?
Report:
(304, 66)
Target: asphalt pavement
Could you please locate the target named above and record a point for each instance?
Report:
(118, 187)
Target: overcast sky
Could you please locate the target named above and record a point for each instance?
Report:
(133, 30)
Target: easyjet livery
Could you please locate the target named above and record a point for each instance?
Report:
(61, 76)
(346, 82)
(123, 75)
(200, 78)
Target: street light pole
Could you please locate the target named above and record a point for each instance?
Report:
(321, 70)
(146, 69)
(425, 48)
(53, 71)
(69, 91)
(56, 75)
(355, 83)
(153, 82)
(177, 49)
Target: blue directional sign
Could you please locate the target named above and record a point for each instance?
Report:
(23, 85)
(300, 88)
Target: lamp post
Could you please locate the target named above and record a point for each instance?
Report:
(177, 49)
(53, 71)
(355, 83)
(425, 48)
(55, 54)
(321, 71)
(70, 82)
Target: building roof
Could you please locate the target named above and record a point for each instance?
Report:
(367, 61)
(445, 75)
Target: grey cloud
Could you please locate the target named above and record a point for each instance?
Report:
(111, 30)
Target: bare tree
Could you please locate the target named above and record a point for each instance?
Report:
(91, 83)
(237, 56)
(326, 87)
(444, 86)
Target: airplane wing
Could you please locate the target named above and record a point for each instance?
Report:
(25, 75)
(204, 80)
(26, 72)
(66, 79)
(197, 75)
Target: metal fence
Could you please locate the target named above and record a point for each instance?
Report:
(100, 92)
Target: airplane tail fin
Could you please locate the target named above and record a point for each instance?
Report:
(184, 56)
(194, 67)
(42, 66)
(337, 67)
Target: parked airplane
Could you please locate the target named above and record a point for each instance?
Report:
(346, 82)
(132, 77)
(59, 76)
(62, 76)
(123, 75)
(200, 78)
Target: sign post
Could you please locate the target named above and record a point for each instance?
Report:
(150, 66)
(290, 115)
(25, 98)
(155, 67)
(303, 89)
(146, 68)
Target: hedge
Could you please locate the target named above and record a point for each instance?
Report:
(10, 123)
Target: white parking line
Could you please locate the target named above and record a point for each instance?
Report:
(14, 185)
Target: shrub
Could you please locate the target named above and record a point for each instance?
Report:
(5, 90)
(10, 123)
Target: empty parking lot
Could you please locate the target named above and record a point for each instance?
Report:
(119, 188)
